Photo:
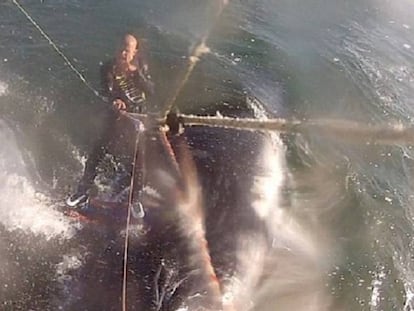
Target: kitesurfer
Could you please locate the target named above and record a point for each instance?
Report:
(126, 83)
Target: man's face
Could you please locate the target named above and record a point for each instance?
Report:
(128, 52)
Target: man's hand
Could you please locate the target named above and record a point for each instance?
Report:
(119, 105)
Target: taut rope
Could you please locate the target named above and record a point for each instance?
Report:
(58, 51)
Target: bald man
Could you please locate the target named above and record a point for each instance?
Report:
(125, 80)
(126, 83)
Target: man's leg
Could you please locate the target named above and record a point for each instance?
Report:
(94, 158)
(98, 152)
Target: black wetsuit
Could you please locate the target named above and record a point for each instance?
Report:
(132, 88)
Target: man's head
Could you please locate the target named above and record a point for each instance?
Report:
(128, 49)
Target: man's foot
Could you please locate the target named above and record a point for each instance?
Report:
(137, 210)
(77, 199)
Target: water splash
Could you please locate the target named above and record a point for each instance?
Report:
(3, 88)
(22, 207)
(377, 288)
(291, 275)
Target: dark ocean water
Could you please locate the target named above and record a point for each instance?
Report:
(349, 224)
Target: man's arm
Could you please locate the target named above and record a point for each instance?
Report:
(107, 85)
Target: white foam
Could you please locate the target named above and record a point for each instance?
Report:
(3, 88)
(69, 263)
(377, 283)
(21, 206)
(409, 294)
